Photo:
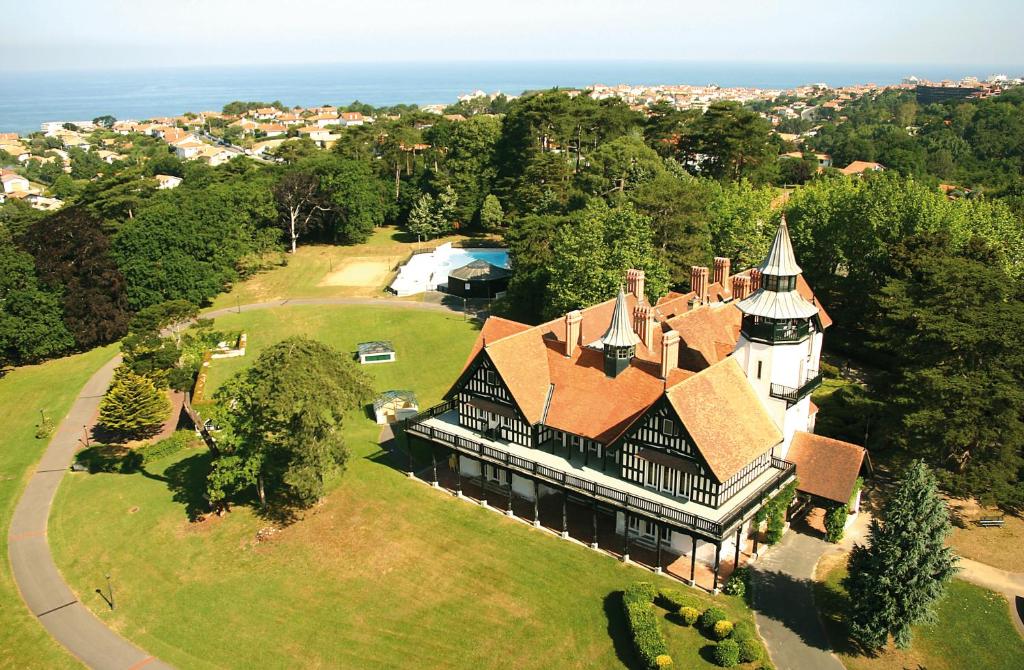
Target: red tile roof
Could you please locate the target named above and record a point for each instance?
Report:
(725, 418)
(825, 467)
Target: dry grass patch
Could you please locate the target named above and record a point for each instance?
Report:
(999, 547)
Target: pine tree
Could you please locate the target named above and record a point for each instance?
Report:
(132, 405)
(491, 214)
(422, 218)
(903, 570)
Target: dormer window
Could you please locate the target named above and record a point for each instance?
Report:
(490, 377)
(668, 427)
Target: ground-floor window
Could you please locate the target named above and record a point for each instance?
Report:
(647, 529)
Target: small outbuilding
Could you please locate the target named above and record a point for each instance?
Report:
(478, 279)
(393, 406)
(375, 352)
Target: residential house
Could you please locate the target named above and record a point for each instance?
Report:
(860, 167)
(325, 119)
(14, 182)
(352, 119)
(671, 423)
(188, 148)
(272, 129)
(167, 181)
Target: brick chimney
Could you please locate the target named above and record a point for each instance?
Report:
(669, 353)
(740, 287)
(722, 266)
(699, 282)
(635, 281)
(573, 323)
(644, 323)
(755, 279)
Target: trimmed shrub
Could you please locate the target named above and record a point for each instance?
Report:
(674, 600)
(735, 586)
(710, 617)
(640, 592)
(726, 653)
(647, 637)
(835, 523)
(167, 447)
(721, 630)
(742, 630)
(663, 662)
(689, 615)
(750, 651)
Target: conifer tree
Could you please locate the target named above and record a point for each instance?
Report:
(491, 214)
(132, 405)
(903, 570)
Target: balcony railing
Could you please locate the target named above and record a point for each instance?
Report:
(615, 496)
(794, 395)
(771, 330)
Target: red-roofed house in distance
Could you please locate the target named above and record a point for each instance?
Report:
(670, 423)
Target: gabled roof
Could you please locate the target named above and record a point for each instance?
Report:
(707, 334)
(479, 269)
(825, 467)
(726, 420)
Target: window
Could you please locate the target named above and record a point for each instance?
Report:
(668, 426)
(468, 286)
(491, 379)
(759, 369)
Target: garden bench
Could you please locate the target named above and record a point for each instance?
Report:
(990, 521)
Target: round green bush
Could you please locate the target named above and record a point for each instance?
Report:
(710, 617)
(721, 630)
(735, 587)
(750, 651)
(689, 615)
(726, 653)
(663, 662)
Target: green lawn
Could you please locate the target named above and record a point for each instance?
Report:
(973, 631)
(386, 573)
(51, 387)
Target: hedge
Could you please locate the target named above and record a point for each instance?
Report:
(689, 615)
(648, 640)
(750, 651)
(167, 447)
(710, 617)
(674, 600)
(743, 630)
(721, 629)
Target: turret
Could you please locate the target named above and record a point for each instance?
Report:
(619, 341)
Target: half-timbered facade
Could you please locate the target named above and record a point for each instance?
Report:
(675, 417)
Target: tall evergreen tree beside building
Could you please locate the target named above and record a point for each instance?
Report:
(902, 571)
(133, 406)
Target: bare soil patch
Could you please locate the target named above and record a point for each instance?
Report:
(359, 271)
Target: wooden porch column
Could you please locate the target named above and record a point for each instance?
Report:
(536, 504)
(586, 454)
(736, 560)
(593, 544)
(483, 482)
(458, 474)
(508, 510)
(433, 464)
(625, 537)
(718, 564)
(657, 529)
(565, 513)
(693, 559)
(408, 455)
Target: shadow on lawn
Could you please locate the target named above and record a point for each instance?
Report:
(186, 480)
(618, 631)
(832, 602)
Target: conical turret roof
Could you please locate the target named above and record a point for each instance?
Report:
(780, 261)
(620, 331)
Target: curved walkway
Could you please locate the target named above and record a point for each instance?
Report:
(47, 595)
(43, 588)
(784, 609)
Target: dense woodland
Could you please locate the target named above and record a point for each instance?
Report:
(925, 288)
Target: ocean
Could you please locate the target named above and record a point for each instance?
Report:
(27, 99)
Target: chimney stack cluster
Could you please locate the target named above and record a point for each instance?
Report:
(722, 266)
(573, 321)
(669, 352)
(699, 282)
(740, 287)
(644, 324)
(755, 279)
(635, 282)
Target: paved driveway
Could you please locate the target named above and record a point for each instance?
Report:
(784, 604)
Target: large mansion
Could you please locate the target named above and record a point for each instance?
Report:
(680, 418)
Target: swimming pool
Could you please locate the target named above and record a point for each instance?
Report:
(425, 272)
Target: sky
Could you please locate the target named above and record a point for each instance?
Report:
(64, 34)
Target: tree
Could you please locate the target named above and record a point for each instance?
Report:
(677, 208)
(423, 220)
(282, 418)
(72, 256)
(944, 345)
(590, 257)
(298, 200)
(897, 577)
(729, 142)
(491, 215)
(354, 195)
(133, 406)
(31, 325)
(106, 121)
